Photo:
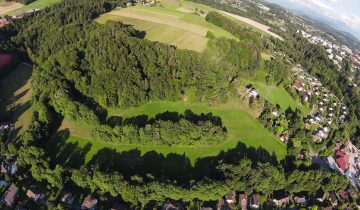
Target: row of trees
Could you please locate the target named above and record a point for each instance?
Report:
(183, 132)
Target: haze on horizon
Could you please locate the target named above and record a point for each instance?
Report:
(342, 14)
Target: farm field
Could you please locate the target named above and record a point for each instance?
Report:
(169, 24)
(6, 7)
(16, 94)
(39, 4)
(240, 125)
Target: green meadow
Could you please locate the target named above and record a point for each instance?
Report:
(240, 125)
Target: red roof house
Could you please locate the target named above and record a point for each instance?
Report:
(342, 160)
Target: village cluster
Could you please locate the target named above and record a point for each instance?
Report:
(281, 199)
(327, 109)
(336, 53)
(346, 160)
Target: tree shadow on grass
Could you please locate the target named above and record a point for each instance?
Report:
(69, 154)
(173, 166)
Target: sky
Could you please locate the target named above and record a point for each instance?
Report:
(343, 14)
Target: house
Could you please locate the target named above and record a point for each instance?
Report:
(34, 194)
(67, 199)
(3, 21)
(284, 138)
(9, 167)
(89, 203)
(252, 92)
(10, 195)
(352, 193)
(343, 195)
(169, 206)
(342, 161)
(282, 202)
(119, 206)
(333, 199)
(231, 197)
(243, 201)
(298, 86)
(300, 199)
(254, 201)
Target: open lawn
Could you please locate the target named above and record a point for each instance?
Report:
(15, 93)
(170, 24)
(239, 124)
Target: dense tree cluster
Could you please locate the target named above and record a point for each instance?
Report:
(183, 131)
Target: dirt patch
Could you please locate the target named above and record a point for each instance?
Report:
(185, 10)
(9, 6)
(257, 25)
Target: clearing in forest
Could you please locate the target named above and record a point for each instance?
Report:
(15, 95)
(240, 125)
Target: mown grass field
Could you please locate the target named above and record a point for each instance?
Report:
(169, 24)
(240, 125)
(15, 93)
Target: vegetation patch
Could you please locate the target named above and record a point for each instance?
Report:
(240, 126)
(15, 95)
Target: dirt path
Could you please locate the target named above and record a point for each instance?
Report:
(257, 25)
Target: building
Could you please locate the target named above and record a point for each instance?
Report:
(67, 199)
(342, 160)
(300, 199)
(89, 203)
(298, 86)
(333, 199)
(254, 201)
(10, 195)
(34, 195)
(3, 21)
(9, 167)
(243, 198)
(231, 197)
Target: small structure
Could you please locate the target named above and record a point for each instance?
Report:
(231, 197)
(300, 199)
(10, 195)
(343, 195)
(9, 167)
(243, 201)
(333, 199)
(3, 21)
(34, 194)
(255, 201)
(89, 203)
(281, 199)
(284, 138)
(67, 199)
(298, 86)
